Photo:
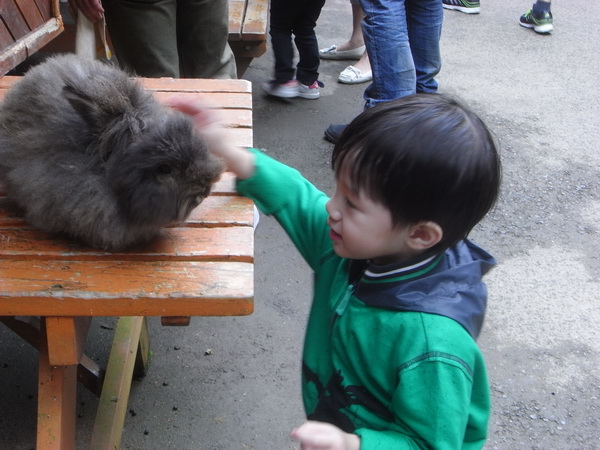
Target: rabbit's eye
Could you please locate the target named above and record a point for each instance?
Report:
(164, 169)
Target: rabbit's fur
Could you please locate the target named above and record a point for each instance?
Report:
(86, 151)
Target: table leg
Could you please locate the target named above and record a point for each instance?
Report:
(89, 373)
(57, 389)
(112, 407)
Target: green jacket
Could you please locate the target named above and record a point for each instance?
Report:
(390, 356)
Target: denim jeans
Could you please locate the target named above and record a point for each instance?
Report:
(298, 18)
(403, 42)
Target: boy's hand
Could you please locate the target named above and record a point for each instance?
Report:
(210, 124)
(324, 436)
(207, 120)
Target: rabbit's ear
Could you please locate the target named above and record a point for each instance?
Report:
(87, 108)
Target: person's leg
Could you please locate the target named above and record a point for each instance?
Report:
(356, 37)
(202, 33)
(385, 30)
(282, 16)
(425, 19)
(144, 36)
(363, 63)
(307, 69)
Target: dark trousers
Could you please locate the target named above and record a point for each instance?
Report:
(171, 38)
(297, 18)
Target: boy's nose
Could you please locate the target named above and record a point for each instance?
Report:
(332, 210)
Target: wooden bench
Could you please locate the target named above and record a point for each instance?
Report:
(25, 27)
(248, 20)
(51, 288)
(26, 21)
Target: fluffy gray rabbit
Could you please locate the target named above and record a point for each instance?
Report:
(86, 151)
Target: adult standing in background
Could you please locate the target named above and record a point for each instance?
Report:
(403, 42)
(167, 38)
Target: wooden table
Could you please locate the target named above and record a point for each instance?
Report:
(50, 288)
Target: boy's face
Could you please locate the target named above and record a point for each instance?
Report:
(363, 229)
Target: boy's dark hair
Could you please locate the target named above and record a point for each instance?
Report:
(424, 157)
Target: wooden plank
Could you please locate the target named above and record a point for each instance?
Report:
(223, 100)
(224, 186)
(48, 8)
(6, 38)
(31, 13)
(174, 244)
(236, 106)
(215, 211)
(112, 407)
(256, 20)
(66, 339)
(29, 44)
(57, 389)
(16, 23)
(192, 85)
(237, 10)
(222, 211)
(239, 91)
(125, 288)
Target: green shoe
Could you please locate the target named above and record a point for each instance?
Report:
(540, 24)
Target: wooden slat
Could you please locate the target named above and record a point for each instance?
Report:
(13, 17)
(174, 244)
(222, 211)
(215, 211)
(29, 44)
(31, 13)
(224, 186)
(255, 20)
(48, 8)
(192, 85)
(236, 106)
(237, 10)
(6, 38)
(125, 288)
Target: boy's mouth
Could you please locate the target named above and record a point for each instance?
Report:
(334, 236)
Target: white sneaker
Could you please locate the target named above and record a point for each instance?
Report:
(286, 90)
(310, 92)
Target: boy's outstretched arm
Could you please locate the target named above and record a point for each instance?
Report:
(210, 125)
(324, 436)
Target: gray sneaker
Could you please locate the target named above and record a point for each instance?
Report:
(310, 92)
(286, 90)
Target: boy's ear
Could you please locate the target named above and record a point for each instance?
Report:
(424, 235)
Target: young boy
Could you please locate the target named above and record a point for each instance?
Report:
(390, 359)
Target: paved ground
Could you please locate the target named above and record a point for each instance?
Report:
(539, 94)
